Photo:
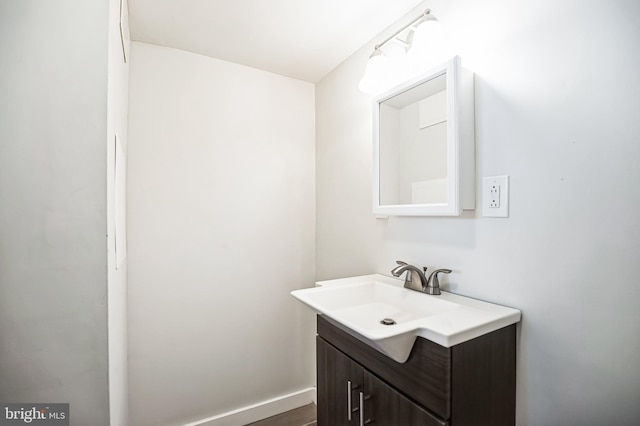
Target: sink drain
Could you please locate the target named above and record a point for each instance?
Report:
(388, 321)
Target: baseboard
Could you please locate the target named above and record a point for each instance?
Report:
(261, 410)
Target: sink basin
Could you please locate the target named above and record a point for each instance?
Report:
(360, 305)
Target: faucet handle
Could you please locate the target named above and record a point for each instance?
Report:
(433, 286)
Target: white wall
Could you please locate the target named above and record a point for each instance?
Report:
(221, 219)
(389, 133)
(117, 110)
(53, 203)
(423, 154)
(557, 106)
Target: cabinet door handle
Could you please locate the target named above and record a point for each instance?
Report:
(362, 399)
(349, 400)
(350, 388)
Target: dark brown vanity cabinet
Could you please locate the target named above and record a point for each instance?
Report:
(345, 387)
(468, 384)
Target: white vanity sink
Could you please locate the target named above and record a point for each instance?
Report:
(359, 304)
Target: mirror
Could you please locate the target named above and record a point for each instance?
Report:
(423, 145)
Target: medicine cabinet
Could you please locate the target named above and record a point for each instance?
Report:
(423, 144)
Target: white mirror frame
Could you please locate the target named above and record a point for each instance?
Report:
(460, 144)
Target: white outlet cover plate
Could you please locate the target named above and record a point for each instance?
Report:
(487, 184)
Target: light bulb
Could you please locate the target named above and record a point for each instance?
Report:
(375, 73)
(428, 47)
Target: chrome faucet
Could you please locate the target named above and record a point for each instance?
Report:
(417, 280)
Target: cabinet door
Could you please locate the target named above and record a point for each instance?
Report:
(340, 381)
(385, 406)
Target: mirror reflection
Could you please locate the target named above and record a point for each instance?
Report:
(413, 145)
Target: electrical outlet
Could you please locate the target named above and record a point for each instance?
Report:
(495, 196)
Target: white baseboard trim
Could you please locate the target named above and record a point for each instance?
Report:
(261, 410)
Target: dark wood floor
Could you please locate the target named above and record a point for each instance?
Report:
(303, 416)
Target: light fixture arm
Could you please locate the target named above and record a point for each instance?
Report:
(380, 70)
(426, 16)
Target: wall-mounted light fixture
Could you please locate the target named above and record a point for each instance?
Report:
(406, 53)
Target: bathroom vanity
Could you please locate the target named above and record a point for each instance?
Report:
(473, 383)
(387, 355)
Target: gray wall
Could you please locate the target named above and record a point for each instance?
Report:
(557, 107)
(53, 251)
